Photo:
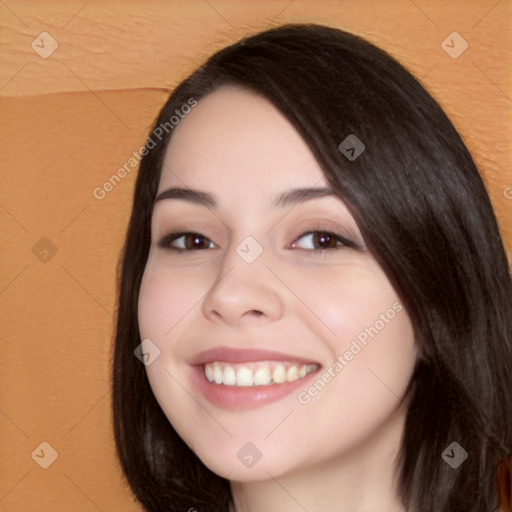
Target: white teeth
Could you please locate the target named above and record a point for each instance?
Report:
(244, 377)
(229, 376)
(279, 375)
(208, 370)
(259, 373)
(262, 377)
(217, 373)
(292, 374)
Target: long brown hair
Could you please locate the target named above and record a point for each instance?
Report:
(422, 207)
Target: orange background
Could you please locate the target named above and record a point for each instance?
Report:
(71, 120)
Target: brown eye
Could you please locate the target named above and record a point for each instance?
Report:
(187, 241)
(324, 240)
(194, 241)
(321, 240)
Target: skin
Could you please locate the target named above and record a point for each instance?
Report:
(337, 451)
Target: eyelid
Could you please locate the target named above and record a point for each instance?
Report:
(185, 228)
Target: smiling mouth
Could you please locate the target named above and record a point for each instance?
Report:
(258, 373)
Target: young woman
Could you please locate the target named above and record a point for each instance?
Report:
(316, 290)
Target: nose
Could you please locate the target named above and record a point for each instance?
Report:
(243, 293)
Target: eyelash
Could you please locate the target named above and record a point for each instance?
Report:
(165, 242)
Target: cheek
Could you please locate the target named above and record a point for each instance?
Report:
(371, 343)
(166, 297)
(353, 300)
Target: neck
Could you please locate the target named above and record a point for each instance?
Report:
(361, 480)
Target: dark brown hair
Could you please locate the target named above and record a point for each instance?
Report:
(422, 207)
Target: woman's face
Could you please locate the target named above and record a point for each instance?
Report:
(272, 297)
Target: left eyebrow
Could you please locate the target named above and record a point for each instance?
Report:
(300, 195)
(291, 197)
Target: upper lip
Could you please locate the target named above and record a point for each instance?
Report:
(237, 355)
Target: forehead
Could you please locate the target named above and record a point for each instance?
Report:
(237, 139)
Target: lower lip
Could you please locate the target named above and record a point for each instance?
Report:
(237, 398)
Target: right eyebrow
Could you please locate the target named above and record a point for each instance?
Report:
(190, 195)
